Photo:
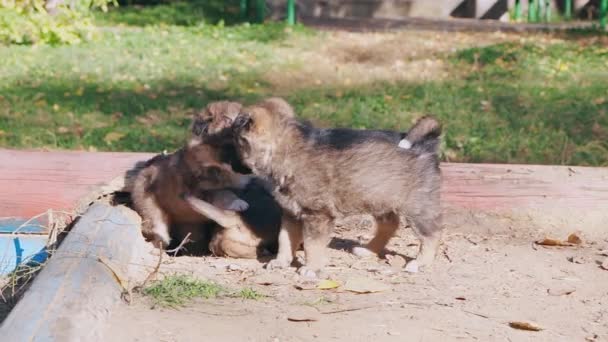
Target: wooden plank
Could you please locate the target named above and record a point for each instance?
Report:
(34, 181)
(73, 295)
(506, 187)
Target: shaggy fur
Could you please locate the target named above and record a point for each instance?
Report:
(325, 174)
(165, 188)
(158, 188)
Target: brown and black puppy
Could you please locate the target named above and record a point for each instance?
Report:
(158, 189)
(243, 234)
(325, 174)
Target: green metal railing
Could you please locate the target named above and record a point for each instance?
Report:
(260, 10)
(538, 9)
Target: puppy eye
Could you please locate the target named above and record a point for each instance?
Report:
(243, 121)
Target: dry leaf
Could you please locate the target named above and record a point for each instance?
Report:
(524, 326)
(553, 242)
(62, 130)
(328, 284)
(303, 314)
(306, 286)
(269, 279)
(364, 285)
(461, 298)
(577, 260)
(605, 264)
(575, 239)
(112, 137)
(561, 291)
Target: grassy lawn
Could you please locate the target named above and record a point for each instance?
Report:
(502, 98)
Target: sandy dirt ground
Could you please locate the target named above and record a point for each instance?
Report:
(480, 283)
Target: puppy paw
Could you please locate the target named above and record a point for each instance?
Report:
(363, 252)
(277, 263)
(412, 266)
(308, 273)
(238, 205)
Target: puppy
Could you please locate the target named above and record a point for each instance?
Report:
(325, 174)
(158, 189)
(246, 234)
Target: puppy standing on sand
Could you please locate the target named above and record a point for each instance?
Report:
(325, 174)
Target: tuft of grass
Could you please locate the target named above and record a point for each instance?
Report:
(177, 290)
(249, 293)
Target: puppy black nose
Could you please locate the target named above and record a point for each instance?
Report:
(242, 121)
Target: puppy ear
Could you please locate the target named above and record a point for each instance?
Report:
(243, 121)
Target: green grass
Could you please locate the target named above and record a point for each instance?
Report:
(182, 13)
(249, 294)
(178, 290)
(133, 90)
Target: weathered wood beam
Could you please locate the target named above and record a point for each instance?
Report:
(101, 257)
(33, 182)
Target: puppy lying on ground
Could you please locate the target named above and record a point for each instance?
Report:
(325, 174)
(187, 190)
(194, 168)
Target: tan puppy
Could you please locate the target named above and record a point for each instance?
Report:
(325, 174)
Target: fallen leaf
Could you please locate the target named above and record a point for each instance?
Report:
(396, 261)
(605, 264)
(524, 326)
(461, 298)
(364, 285)
(62, 130)
(234, 267)
(328, 284)
(553, 242)
(577, 260)
(112, 137)
(306, 286)
(560, 291)
(575, 239)
(303, 314)
(269, 279)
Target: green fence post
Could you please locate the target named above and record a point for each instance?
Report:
(291, 12)
(260, 10)
(568, 9)
(603, 14)
(532, 10)
(243, 7)
(547, 10)
(538, 9)
(517, 10)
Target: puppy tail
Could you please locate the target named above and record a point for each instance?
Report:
(423, 137)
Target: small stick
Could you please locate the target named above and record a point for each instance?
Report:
(179, 247)
(347, 310)
(155, 270)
